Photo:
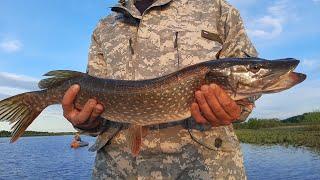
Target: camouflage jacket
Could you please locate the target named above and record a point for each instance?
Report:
(169, 35)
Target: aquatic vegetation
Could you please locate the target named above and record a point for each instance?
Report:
(302, 130)
(296, 136)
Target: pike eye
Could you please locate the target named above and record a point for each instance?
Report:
(254, 68)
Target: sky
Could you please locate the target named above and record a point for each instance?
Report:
(39, 36)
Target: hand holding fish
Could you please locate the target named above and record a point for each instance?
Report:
(85, 118)
(213, 105)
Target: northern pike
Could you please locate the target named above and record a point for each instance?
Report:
(153, 101)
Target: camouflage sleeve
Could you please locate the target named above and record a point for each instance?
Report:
(236, 43)
(96, 67)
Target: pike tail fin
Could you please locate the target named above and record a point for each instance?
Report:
(21, 110)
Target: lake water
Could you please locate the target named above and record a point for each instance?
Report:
(51, 158)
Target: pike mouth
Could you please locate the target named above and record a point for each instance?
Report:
(284, 82)
(283, 76)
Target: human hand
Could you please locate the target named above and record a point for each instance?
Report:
(85, 118)
(215, 106)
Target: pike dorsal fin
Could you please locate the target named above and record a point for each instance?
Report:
(58, 77)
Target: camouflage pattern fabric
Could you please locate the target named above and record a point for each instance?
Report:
(169, 35)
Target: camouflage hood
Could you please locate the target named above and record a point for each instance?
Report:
(129, 8)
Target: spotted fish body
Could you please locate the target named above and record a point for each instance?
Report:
(146, 102)
(154, 101)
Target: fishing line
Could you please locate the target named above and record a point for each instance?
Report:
(188, 122)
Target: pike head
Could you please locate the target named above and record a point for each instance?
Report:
(247, 77)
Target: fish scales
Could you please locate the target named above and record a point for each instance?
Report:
(148, 103)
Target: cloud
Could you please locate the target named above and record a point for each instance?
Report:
(10, 46)
(316, 1)
(17, 77)
(242, 2)
(271, 24)
(51, 120)
(265, 23)
(12, 84)
(310, 65)
(278, 8)
(11, 91)
(295, 101)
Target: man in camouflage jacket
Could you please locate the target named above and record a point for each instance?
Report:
(167, 36)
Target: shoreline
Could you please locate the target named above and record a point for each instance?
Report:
(302, 130)
(7, 134)
(299, 136)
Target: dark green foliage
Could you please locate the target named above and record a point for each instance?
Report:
(304, 119)
(302, 130)
(35, 133)
(310, 117)
(308, 136)
(255, 123)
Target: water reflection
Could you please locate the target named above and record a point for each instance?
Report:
(52, 158)
(279, 162)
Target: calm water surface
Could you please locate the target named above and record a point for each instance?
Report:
(51, 158)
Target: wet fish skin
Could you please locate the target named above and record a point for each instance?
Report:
(154, 101)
